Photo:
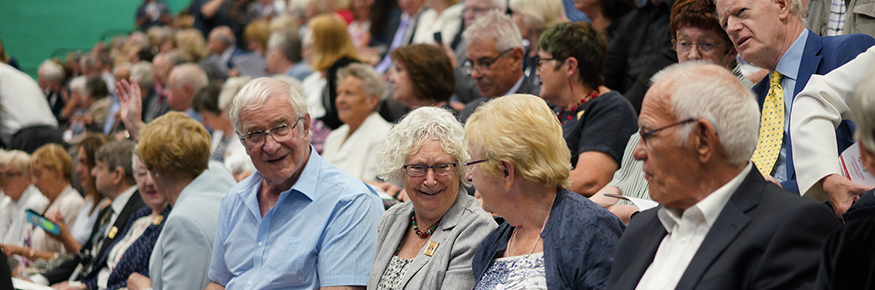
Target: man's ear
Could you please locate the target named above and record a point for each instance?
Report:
(516, 56)
(784, 8)
(706, 140)
(118, 174)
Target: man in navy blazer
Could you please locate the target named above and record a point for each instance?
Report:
(771, 35)
(720, 224)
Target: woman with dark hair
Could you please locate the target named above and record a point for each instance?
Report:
(596, 122)
(422, 76)
(602, 13)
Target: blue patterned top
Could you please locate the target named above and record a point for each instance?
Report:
(579, 243)
(136, 257)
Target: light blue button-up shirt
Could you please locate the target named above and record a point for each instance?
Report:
(789, 67)
(322, 232)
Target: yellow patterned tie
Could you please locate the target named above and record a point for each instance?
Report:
(771, 127)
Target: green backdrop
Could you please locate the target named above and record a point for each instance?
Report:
(32, 30)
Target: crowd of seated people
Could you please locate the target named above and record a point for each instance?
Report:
(447, 144)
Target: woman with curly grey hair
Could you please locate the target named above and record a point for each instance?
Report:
(434, 235)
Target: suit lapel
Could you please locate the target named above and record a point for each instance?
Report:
(447, 224)
(650, 243)
(134, 203)
(807, 66)
(732, 220)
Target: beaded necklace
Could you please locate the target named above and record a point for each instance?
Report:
(416, 229)
(591, 95)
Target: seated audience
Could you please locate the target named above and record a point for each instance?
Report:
(17, 186)
(847, 258)
(428, 242)
(532, 17)
(223, 52)
(720, 225)
(791, 53)
(443, 17)
(115, 181)
(152, 13)
(422, 76)
(520, 168)
(494, 59)
(94, 201)
(353, 146)
(401, 30)
(294, 199)
(332, 49)
(181, 171)
(256, 34)
(693, 22)
(51, 170)
(88, 110)
(192, 44)
(130, 253)
(225, 146)
(50, 76)
(596, 122)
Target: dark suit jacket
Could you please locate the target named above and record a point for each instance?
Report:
(526, 87)
(65, 270)
(820, 56)
(764, 238)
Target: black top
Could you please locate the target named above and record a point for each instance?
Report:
(639, 36)
(329, 93)
(847, 256)
(602, 124)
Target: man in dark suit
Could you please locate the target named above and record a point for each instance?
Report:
(495, 60)
(222, 45)
(771, 35)
(400, 30)
(115, 180)
(720, 224)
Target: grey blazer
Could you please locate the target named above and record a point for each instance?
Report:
(459, 233)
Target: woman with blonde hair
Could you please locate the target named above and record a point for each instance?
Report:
(51, 172)
(532, 17)
(256, 34)
(192, 43)
(560, 240)
(331, 49)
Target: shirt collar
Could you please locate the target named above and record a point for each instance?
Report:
(788, 65)
(118, 204)
(226, 54)
(308, 188)
(709, 208)
(515, 86)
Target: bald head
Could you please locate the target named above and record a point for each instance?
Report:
(184, 82)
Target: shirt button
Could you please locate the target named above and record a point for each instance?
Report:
(259, 244)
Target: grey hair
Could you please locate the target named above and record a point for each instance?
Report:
(701, 90)
(862, 106)
(230, 89)
(372, 84)
(295, 83)
(190, 74)
(142, 73)
(494, 25)
(17, 158)
(289, 43)
(225, 35)
(407, 136)
(51, 71)
(257, 91)
(117, 154)
(77, 84)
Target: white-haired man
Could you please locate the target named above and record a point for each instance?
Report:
(720, 225)
(771, 35)
(50, 77)
(494, 60)
(298, 222)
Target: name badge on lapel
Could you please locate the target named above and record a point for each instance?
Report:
(112, 232)
(432, 246)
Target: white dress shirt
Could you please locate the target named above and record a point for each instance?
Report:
(23, 103)
(14, 214)
(817, 112)
(686, 231)
(447, 23)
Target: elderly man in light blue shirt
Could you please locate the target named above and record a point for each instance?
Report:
(298, 222)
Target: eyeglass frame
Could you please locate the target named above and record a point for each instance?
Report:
(470, 66)
(649, 134)
(268, 131)
(674, 46)
(406, 168)
(470, 165)
(538, 61)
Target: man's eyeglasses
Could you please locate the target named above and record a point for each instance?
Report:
(685, 45)
(481, 67)
(280, 134)
(470, 165)
(419, 170)
(646, 135)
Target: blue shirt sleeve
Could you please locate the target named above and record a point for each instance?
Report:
(347, 252)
